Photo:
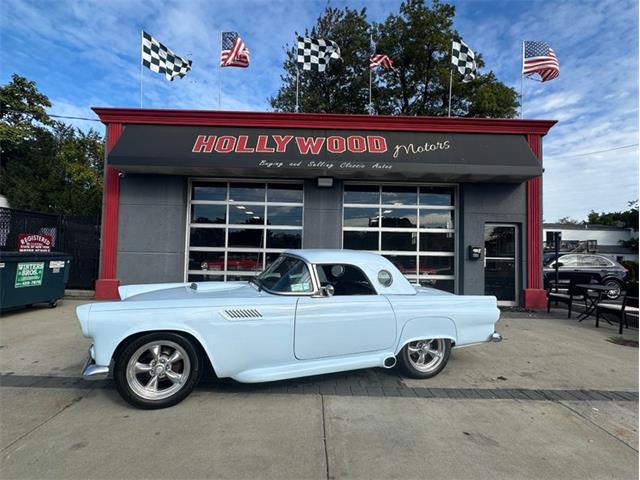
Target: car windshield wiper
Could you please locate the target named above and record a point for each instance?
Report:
(257, 283)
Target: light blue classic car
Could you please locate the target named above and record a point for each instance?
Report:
(310, 312)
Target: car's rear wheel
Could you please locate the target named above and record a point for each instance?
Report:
(157, 370)
(424, 358)
(614, 288)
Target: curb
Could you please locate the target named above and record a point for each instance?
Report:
(80, 294)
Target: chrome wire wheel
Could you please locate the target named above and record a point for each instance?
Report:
(158, 370)
(426, 355)
(614, 289)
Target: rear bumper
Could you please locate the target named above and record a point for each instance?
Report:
(91, 371)
(495, 337)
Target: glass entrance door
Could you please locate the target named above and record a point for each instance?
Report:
(501, 262)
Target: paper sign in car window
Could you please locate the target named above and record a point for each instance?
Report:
(300, 287)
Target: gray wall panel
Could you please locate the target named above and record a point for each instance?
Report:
(151, 228)
(138, 189)
(488, 203)
(142, 267)
(322, 215)
(323, 198)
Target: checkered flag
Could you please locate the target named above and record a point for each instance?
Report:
(463, 60)
(158, 58)
(315, 53)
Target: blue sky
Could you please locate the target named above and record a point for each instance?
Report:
(87, 53)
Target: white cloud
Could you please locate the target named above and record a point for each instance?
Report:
(75, 115)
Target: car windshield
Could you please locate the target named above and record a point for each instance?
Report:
(286, 275)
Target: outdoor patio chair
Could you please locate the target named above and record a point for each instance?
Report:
(628, 306)
(572, 293)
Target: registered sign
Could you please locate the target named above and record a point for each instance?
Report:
(29, 274)
(33, 242)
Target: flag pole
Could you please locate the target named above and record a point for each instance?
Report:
(141, 40)
(450, 80)
(373, 52)
(450, 88)
(220, 75)
(297, 87)
(370, 81)
(522, 83)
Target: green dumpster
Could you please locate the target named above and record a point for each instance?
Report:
(28, 278)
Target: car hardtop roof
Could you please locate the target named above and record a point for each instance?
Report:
(337, 256)
(370, 263)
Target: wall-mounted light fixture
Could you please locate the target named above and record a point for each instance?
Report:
(325, 182)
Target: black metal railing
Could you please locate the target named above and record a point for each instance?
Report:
(77, 235)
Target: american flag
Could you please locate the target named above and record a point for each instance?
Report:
(234, 53)
(540, 58)
(380, 60)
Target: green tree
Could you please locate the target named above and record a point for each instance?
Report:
(22, 111)
(343, 86)
(625, 219)
(46, 165)
(569, 221)
(631, 243)
(418, 38)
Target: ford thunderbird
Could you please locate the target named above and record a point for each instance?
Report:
(310, 312)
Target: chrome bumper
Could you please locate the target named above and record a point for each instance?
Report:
(495, 337)
(91, 371)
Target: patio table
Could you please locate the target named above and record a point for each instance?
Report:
(592, 300)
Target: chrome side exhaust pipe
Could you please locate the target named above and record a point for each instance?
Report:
(389, 362)
(496, 337)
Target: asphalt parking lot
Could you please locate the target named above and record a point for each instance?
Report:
(555, 399)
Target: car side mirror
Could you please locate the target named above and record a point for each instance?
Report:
(328, 291)
(559, 264)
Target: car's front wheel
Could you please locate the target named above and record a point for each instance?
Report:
(424, 358)
(157, 370)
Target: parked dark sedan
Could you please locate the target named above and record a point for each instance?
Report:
(602, 270)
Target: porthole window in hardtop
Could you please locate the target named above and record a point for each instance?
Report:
(385, 278)
(346, 279)
(237, 229)
(412, 226)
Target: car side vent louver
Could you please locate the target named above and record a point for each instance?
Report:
(239, 313)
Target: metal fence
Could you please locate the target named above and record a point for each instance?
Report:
(575, 246)
(77, 235)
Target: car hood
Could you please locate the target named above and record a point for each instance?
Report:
(184, 291)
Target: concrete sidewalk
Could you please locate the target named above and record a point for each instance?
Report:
(55, 425)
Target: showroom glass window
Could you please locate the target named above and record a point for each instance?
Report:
(238, 228)
(412, 226)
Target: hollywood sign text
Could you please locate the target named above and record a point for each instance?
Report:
(279, 144)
